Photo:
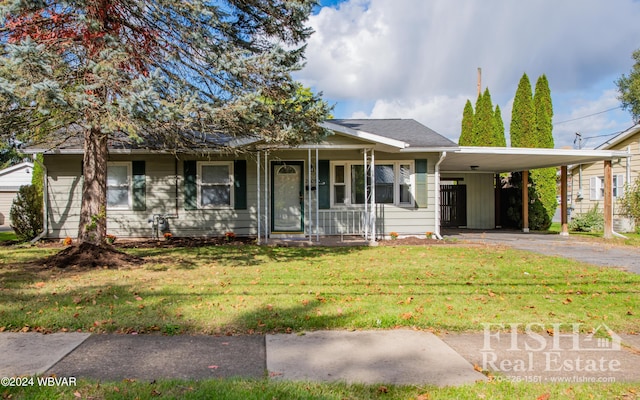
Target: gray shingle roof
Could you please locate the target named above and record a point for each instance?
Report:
(406, 130)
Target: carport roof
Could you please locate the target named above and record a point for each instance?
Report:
(506, 159)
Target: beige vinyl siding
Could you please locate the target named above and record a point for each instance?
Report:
(64, 191)
(589, 171)
(6, 200)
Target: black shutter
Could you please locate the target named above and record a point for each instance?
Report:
(139, 187)
(323, 185)
(240, 184)
(190, 185)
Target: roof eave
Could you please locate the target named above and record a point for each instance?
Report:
(397, 144)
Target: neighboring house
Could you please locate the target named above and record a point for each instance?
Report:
(368, 177)
(587, 180)
(11, 179)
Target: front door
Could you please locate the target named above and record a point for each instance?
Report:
(287, 200)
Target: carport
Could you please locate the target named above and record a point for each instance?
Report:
(497, 160)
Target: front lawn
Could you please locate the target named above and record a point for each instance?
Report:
(251, 289)
(8, 236)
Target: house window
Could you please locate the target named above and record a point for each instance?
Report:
(215, 180)
(339, 186)
(385, 178)
(119, 185)
(596, 187)
(393, 183)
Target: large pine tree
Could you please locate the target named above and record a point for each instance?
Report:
(185, 75)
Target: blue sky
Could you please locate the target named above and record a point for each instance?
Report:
(419, 59)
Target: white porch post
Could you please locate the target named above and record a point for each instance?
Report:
(259, 216)
(372, 217)
(366, 206)
(266, 196)
(308, 187)
(318, 199)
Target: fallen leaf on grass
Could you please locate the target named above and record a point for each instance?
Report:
(545, 396)
(477, 367)
(567, 301)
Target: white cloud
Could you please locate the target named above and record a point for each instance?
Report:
(418, 59)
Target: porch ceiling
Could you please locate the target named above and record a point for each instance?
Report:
(506, 159)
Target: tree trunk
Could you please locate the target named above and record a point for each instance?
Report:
(93, 210)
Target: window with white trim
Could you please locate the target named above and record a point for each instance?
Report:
(215, 181)
(393, 183)
(596, 187)
(119, 186)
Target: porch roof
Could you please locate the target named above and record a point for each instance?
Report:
(507, 159)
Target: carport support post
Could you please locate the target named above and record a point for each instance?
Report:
(563, 201)
(608, 200)
(525, 201)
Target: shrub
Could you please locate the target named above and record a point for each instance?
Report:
(591, 221)
(26, 213)
(630, 202)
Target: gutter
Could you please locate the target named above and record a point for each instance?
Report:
(437, 191)
(45, 202)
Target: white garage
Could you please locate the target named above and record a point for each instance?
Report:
(10, 181)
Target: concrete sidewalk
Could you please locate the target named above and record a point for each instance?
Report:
(391, 357)
(402, 356)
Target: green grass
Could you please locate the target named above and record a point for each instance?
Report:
(632, 239)
(250, 289)
(232, 389)
(8, 236)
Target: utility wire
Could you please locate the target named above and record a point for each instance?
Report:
(587, 116)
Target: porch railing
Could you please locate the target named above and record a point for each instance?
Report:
(342, 222)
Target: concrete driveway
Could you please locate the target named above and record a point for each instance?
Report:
(574, 247)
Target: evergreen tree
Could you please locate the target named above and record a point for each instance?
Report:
(499, 138)
(483, 121)
(182, 74)
(544, 113)
(466, 134)
(523, 122)
(544, 180)
(531, 127)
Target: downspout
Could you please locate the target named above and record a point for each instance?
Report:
(437, 190)
(45, 201)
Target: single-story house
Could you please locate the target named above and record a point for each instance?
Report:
(11, 178)
(587, 180)
(367, 177)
